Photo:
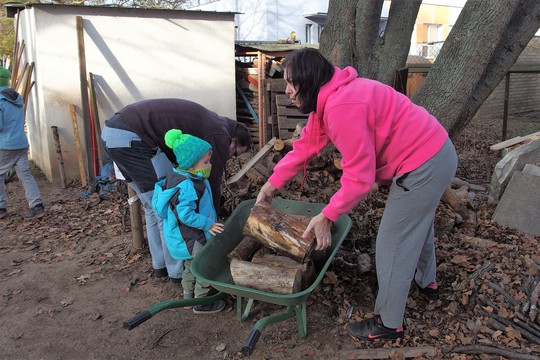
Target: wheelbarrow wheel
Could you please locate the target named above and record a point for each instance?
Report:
(251, 341)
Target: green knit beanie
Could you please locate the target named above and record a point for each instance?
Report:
(188, 149)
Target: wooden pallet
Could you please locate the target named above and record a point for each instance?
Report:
(288, 116)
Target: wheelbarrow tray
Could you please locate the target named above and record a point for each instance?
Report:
(211, 264)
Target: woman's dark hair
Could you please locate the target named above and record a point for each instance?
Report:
(242, 134)
(308, 70)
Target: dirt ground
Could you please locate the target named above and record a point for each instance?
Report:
(69, 281)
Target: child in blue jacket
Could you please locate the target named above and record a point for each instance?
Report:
(184, 201)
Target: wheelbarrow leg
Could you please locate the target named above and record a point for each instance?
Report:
(301, 319)
(169, 304)
(255, 334)
(243, 315)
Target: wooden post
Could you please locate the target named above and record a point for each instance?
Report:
(260, 96)
(88, 129)
(78, 144)
(59, 156)
(505, 110)
(136, 220)
(98, 151)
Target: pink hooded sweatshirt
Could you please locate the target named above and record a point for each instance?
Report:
(379, 132)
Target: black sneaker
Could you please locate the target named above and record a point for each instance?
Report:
(373, 329)
(36, 212)
(160, 274)
(3, 213)
(176, 281)
(209, 308)
(431, 292)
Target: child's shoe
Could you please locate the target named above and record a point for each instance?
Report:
(3, 213)
(185, 296)
(209, 308)
(160, 274)
(36, 212)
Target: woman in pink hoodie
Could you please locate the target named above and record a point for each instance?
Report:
(383, 138)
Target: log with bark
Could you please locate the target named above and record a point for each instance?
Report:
(245, 249)
(279, 231)
(287, 144)
(307, 269)
(451, 198)
(278, 280)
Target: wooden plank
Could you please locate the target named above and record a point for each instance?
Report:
(264, 150)
(290, 122)
(285, 111)
(284, 100)
(288, 116)
(276, 85)
(513, 141)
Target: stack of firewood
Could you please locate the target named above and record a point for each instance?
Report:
(273, 256)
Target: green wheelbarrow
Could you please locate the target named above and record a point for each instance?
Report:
(212, 266)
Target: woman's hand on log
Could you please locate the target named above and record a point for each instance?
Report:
(320, 225)
(266, 192)
(216, 228)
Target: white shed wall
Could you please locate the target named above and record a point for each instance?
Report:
(134, 55)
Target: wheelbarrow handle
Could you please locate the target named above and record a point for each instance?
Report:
(251, 341)
(137, 319)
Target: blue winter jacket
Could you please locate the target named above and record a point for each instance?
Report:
(12, 135)
(194, 225)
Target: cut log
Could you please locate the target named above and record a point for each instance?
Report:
(245, 249)
(393, 353)
(278, 231)
(337, 162)
(283, 280)
(285, 145)
(450, 197)
(307, 269)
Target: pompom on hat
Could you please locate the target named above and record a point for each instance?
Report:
(188, 149)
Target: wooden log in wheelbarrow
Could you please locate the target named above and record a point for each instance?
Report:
(279, 231)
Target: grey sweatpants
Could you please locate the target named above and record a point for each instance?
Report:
(404, 247)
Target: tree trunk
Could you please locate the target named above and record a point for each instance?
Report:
(366, 37)
(375, 56)
(337, 37)
(485, 42)
(393, 46)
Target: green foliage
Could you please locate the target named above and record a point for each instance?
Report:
(7, 37)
